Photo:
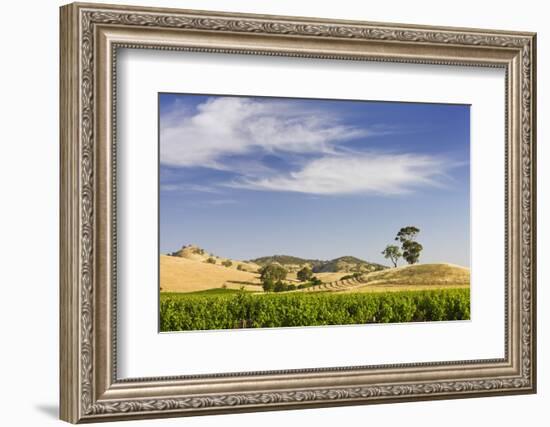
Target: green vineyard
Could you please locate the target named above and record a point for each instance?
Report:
(231, 310)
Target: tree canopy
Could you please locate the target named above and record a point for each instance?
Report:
(304, 274)
(272, 272)
(393, 253)
(407, 233)
(410, 247)
(411, 251)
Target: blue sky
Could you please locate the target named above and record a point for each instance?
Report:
(245, 177)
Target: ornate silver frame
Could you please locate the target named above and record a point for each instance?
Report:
(90, 36)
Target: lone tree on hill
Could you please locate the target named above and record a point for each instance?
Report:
(411, 248)
(272, 272)
(304, 274)
(393, 253)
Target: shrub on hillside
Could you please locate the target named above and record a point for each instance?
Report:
(279, 286)
(268, 285)
(351, 276)
(315, 281)
(304, 274)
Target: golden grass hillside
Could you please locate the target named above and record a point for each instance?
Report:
(195, 253)
(178, 274)
(407, 278)
(420, 276)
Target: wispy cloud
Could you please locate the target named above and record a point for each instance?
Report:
(188, 188)
(366, 173)
(220, 202)
(211, 203)
(237, 126)
(313, 147)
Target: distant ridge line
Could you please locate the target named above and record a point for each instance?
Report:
(343, 263)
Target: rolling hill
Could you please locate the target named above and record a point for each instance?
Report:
(422, 274)
(285, 260)
(195, 253)
(345, 264)
(179, 274)
(192, 269)
(410, 277)
(348, 264)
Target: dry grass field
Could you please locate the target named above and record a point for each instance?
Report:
(401, 288)
(190, 272)
(194, 253)
(420, 275)
(187, 275)
(416, 277)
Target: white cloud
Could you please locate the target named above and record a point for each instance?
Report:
(237, 126)
(370, 173)
(187, 188)
(213, 202)
(249, 129)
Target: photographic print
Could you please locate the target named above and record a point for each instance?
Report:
(290, 212)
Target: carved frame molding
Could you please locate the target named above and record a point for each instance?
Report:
(90, 37)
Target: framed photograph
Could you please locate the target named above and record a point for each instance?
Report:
(266, 213)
